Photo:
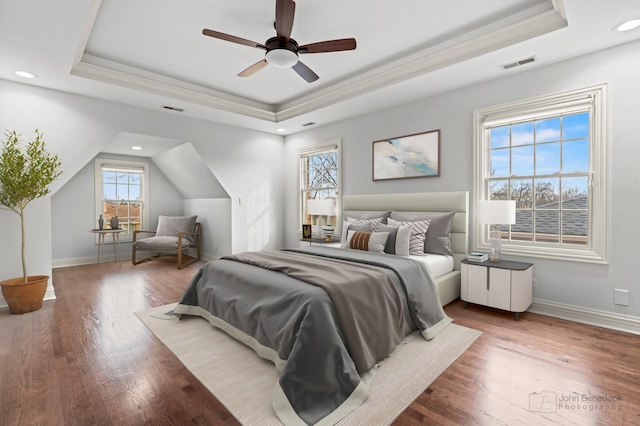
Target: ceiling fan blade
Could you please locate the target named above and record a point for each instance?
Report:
(285, 12)
(233, 39)
(329, 46)
(253, 68)
(305, 72)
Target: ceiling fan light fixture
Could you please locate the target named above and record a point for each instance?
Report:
(282, 58)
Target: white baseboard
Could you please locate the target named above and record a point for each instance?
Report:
(79, 261)
(610, 320)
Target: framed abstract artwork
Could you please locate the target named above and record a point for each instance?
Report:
(411, 156)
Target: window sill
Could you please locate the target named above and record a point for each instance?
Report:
(553, 253)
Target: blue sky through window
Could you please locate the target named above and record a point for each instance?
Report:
(560, 145)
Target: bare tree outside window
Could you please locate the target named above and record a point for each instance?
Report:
(320, 179)
(543, 165)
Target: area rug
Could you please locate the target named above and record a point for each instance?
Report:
(243, 382)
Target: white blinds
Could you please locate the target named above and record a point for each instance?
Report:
(115, 168)
(525, 113)
(309, 151)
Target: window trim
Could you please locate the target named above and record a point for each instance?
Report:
(309, 150)
(99, 163)
(598, 160)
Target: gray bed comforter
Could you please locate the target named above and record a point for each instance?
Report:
(287, 315)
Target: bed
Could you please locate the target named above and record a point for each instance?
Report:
(324, 337)
(448, 284)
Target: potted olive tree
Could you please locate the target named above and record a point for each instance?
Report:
(25, 176)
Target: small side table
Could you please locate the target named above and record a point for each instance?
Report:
(115, 236)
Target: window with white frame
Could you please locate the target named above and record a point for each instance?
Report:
(122, 191)
(320, 179)
(549, 154)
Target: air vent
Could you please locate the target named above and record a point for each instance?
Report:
(311, 123)
(172, 108)
(518, 63)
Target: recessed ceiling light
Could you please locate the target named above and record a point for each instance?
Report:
(25, 74)
(281, 130)
(137, 148)
(627, 25)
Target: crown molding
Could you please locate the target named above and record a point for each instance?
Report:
(514, 27)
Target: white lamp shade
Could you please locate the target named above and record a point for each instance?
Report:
(323, 207)
(497, 212)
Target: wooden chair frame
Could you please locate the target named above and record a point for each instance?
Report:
(180, 249)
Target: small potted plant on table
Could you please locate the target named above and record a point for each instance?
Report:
(25, 176)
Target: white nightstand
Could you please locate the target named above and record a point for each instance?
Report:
(504, 285)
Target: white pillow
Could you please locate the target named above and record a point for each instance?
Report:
(418, 234)
(399, 238)
(367, 241)
(354, 227)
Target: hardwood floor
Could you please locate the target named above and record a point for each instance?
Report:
(86, 359)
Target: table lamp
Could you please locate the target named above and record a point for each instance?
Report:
(323, 207)
(494, 213)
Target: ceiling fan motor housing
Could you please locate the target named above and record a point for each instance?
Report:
(281, 52)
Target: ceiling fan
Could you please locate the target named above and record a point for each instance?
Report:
(281, 50)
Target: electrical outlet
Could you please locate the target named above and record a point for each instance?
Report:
(621, 297)
(535, 282)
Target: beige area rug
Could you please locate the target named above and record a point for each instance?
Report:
(244, 382)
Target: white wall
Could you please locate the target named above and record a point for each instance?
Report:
(77, 128)
(215, 217)
(578, 284)
(187, 172)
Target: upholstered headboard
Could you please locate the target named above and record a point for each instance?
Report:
(424, 202)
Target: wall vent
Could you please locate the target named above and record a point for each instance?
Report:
(172, 108)
(518, 63)
(311, 123)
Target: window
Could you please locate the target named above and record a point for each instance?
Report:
(320, 179)
(549, 155)
(121, 190)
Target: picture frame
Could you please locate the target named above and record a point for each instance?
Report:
(410, 156)
(306, 232)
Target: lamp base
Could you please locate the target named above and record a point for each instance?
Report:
(496, 249)
(319, 225)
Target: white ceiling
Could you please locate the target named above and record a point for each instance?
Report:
(152, 53)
